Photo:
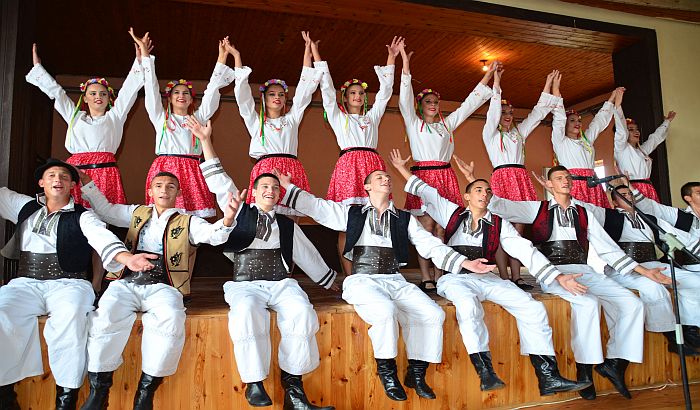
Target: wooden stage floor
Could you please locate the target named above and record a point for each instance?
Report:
(346, 378)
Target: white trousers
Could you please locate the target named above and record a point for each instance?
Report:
(384, 302)
(163, 322)
(624, 315)
(467, 291)
(67, 302)
(249, 327)
(658, 305)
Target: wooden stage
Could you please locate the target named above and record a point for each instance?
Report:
(207, 377)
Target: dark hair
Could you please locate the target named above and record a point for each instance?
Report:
(614, 191)
(166, 174)
(471, 184)
(264, 175)
(367, 178)
(554, 169)
(687, 190)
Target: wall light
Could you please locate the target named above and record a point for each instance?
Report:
(483, 65)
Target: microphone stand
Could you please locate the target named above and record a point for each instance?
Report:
(673, 245)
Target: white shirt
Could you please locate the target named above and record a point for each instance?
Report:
(38, 234)
(525, 212)
(513, 149)
(91, 134)
(433, 142)
(441, 210)
(176, 139)
(151, 235)
(631, 159)
(354, 130)
(281, 134)
(304, 253)
(335, 216)
(578, 153)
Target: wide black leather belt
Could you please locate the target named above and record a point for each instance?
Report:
(259, 264)
(346, 150)
(95, 166)
(373, 260)
(640, 252)
(429, 167)
(192, 157)
(682, 259)
(564, 252)
(509, 166)
(262, 157)
(44, 266)
(149, 277)
(471, 252)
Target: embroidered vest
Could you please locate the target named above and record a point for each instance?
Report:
(491, 235)
(544, 224)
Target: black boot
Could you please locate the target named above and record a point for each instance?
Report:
(99, 391)
(256, 395)
(8, 397)
(484, 368)
(673, 345)
(549, 379)
(415, 378)
(691, 334)
(66, 399)
(584, 374)
(295, 399)
(386, 370)
(614, 370)
(145, 392)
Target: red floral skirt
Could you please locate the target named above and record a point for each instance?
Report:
(285, 164)
(513, 183)
(348, 180)
(195, 197)
(646, 188)
(582, 192)
(106, 177)
(442, 179)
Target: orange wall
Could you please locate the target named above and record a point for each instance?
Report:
(318, 150)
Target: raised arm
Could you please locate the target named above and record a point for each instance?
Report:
(330, 214)
(386, 80)
(222, 76)
(406, 97)
(621, 132)
(308, 81)
(113, 214)
(217, 233)
(493, 116)
(203, 133)
(474, 100)
(540, 110)
(602, 119)
(219, 182)
(658, 136)
(245, 101)
(328, 95)
(39, 77)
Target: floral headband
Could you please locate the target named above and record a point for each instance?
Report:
(425, 92)
(353, 82)
(274, 81)
(573, 112)
(171, 84)
(101, 81)
(630, 121)
(506, 102)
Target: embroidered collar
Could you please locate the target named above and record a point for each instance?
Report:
(487, 218)
(553, 204)
(41, 199)
(392, 209)
(271, 212)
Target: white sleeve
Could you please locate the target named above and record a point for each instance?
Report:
(539, 111)
(651, 207)
(521, 249)
(221, 77)
(39, 77)
(113, 214)
(328, 213)
(129, 91)
(656, 138)
(692, 244)
(493, 118)
(439, 208)
(474, 100)
(430, 247)
(328, 95)
(308, 81)
(245, 101)
(621, 132)
(600, 122)
(385, 74)
(218, 181)
(597, 212)
(102, 240)
(310, 261)
(523, 212)
(406, 100)
(558, 124)
(607, 249)
(11, 203)
(214, 234)
(154, 105)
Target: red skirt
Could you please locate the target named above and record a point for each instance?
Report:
(285, 164)
(646, 188)
(443, 179)
(512, 182)
(348, 180)
(195, 197)
(106, 178)
(582, 192)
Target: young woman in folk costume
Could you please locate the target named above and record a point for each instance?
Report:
(178, 150)
(356, 129)
(432, 145)
(95, 124)
(505, 144)
(632, 157)
(574, 149)
(274, 131)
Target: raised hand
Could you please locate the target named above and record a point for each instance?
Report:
(234, 202)
(671, 115)
(307, 48)
(231, 49)
(405, 59)
(394, 49)
(35, 55)
(203, 132)
(145, 44)
(548, 83)
(466, 169)
(223, 51)
(556, 83)
(400, 163)
(654, 274)
(285, 179)
(540, 180)
(478, 266)
(568, 282)
(618, 97)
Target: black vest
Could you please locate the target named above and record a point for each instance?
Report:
(684, 221)
(247, 225)
(74, 251)
(615, 221)
(397, 225)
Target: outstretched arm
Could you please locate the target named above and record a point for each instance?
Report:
(328, 213)
(658, 136)
(39, 77)
(113, 214)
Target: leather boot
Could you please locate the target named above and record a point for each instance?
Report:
(415, 378)
(386, 370)
(614, 370)
(295, 399)
(691, 334)
(66, 399)
(484, 368)
(673, 345)
(99, 391)
(145, 392)
(584, 374)
(8, 397)
(549, 379)
(256, 395)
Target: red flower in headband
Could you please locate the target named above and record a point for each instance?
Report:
(274, 81)
(630, 121)
(506, 102)
(101, 81)
(171, 84)
(573, 112)
(425, 92)
(353, 82)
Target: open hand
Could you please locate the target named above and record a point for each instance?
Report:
(234, 202)
(203, 132)
(285, 179)
(35, 55)
(140, 262)
(478, 266)
(568, 282)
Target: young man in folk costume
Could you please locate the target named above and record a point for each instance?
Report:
(378, 236)
(171, 237)
(53, 241)
(264, 247)
(563, 230)
(476, 233)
